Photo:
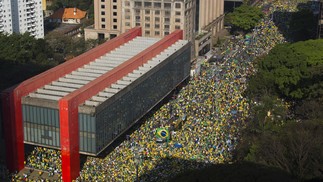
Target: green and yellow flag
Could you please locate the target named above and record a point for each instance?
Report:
(162, 134)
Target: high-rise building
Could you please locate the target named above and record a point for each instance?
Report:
(157, 18)
(22, 16)
(209, 21)
(5, 17)
(107, 20)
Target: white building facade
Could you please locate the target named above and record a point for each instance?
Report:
(23, 16)
(5, 17)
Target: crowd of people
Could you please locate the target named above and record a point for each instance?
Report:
(211, 109)
(45, 159)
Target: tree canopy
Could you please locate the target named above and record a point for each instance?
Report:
(285, 120)
(22, 56)
(24, 49)
(294, 71)
(296, 148)
(244, 18)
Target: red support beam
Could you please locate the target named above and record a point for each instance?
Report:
(11, 98)
(13, 131)
(69, 104)
(69, 133)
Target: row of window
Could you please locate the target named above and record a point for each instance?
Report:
(155, 5)
(115, 27)
(157, 12)
(114, 13)
(157, 19)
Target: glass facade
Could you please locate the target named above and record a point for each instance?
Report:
(119, 115)
(41, 126)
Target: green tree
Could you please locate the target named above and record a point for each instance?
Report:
(244, 18)
(21, 57)
(294, 71)
(297, 148)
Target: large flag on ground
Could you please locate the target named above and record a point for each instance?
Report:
(162, 134)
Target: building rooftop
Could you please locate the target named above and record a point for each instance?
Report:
(68, 13)
(74, 13)
(80, 77)
(50, 94)
(131, 77)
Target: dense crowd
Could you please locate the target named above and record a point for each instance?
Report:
(214, 112)
(45, 159)
(211, 109)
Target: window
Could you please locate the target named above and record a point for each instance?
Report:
(102, 26)
(102, 6)
(147, 12)
(102, 0)
(177, 27)
(166, 33)
(127, 17)
(137, 4)
(127, 24)
(115, 27)
(114, 7)
(157, 33)
(102, 12)
(166, 26)
(177, 20)
(147, 25)
(167, 13)
(147, 18)
(157, 5)
(102, 19)
(178, 13)
(167, 5)
(114, 20)
(157, 26)
(137, 24)
(115, 13)
(157, 19)
(177, 5)
(147, 4)
(147, 32)
(114, 1)
(157, 12)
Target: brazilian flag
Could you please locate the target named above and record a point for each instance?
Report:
(162, 134)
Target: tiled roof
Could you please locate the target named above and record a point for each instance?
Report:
(68, 13)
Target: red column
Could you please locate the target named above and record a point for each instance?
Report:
(13, 130)
(69, 133)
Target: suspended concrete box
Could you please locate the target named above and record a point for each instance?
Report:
(84, 104)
